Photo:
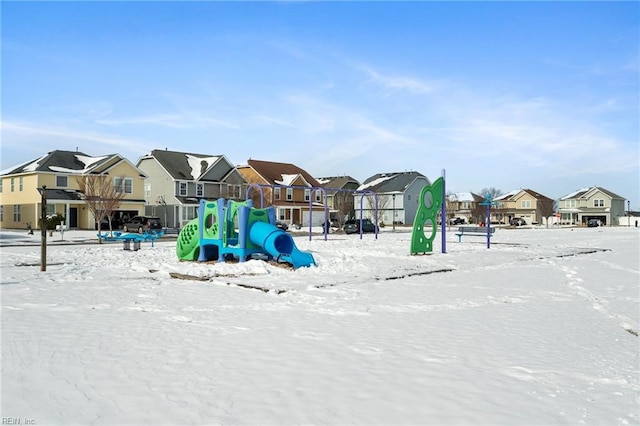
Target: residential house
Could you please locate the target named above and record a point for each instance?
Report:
(591, 203)
(397, 195)
(527, 204)
(60, 172)
(288, 188)
(464, 205)
(177, 181)
(339, 190)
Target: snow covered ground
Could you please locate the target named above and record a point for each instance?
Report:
(540, 329)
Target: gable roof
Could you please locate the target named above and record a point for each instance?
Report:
(575, 194)
(390, 182)
(508, 196)
(281, 173)
(334, 184)
(604, 191)
(587, 192)
(337, 182)
(72, 162)
(534, 194)
(185, 165)
(466, 196)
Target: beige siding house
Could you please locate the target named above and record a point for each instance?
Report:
(177, 181)
(59, 171)
(527, 204)
(594, 202)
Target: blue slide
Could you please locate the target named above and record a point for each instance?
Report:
(279, 244)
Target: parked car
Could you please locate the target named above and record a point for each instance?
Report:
(593, 223)
(281, 225)
(517, 221)
(104, 224)
(352, 226)
(457, 221)
(141, 224)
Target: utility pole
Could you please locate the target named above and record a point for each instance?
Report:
(393, 213)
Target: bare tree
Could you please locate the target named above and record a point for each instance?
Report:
(481, 211)
(343, 203)
(254, 194)
(383, 202)
(101, 197)
(546, 208)
(494, 192)
(451, 204)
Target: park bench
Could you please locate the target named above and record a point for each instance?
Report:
(474, 230)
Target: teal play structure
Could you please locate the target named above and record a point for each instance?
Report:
(226, 229)
(425, 223)
(128, 238)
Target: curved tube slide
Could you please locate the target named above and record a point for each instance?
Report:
(279, 244)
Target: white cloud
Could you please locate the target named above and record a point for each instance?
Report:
(45, 137)
(400, 83)
(187, 120)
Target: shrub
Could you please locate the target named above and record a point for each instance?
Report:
(53, 220)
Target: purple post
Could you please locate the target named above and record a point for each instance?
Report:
(443, 215)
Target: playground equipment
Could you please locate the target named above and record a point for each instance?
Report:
(487, 202)
(230, 229)
(431, 198)
(128, 238)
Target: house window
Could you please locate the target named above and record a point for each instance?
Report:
(13, 184)
(233, 191)
(20, 184)
(276, 193)
(1, 181)
(199, 190)
(147, 189)
(51, 209)
(123, 185)
(289, 194)
(16, 213)
(62, 181)
(598, 203)
(318, 196)
(525, 204)
(307, 194)
(182, 191)
(570, 203)
(189, 212)
(1, 213)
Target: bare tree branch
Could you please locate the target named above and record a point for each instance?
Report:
(101, 197)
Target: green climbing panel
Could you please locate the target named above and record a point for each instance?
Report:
(188, 241)
(426, 223)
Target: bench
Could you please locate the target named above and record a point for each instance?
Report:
(474, 230)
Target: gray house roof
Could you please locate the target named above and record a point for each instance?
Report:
(187, 166)
(466, 196)
(72, 162)
(390, 182)
(333, 183)
(581, 193)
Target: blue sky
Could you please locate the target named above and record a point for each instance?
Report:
(539, 95)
